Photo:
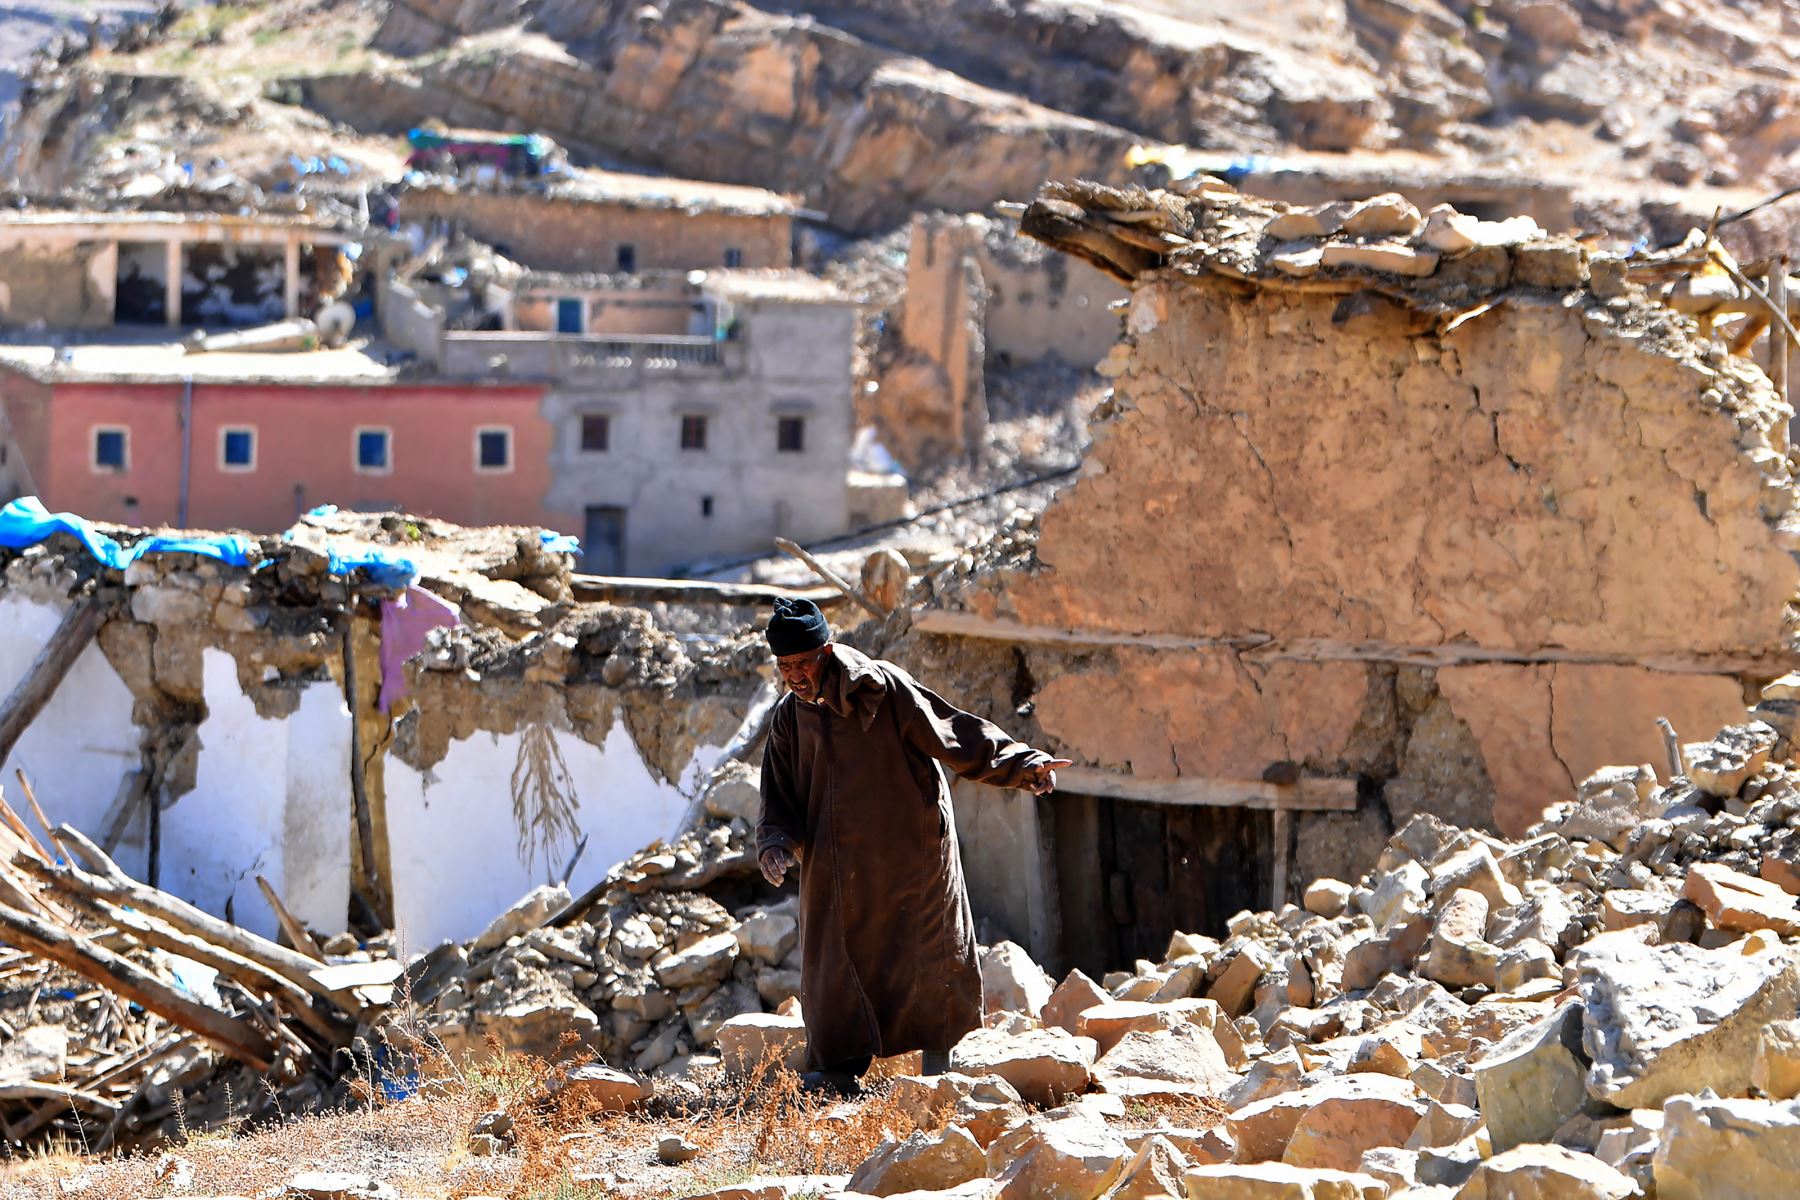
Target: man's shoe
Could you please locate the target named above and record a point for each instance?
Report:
(831, 1083)
(936, 1062)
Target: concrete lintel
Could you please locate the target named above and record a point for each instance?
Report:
(1260, 647)
(1327, 795)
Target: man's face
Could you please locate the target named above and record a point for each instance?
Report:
(804, 673)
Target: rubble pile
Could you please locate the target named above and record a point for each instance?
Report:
(645, 969)
(1603, 1008)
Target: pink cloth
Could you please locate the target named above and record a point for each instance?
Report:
(404, 624)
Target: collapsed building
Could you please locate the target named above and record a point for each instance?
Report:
(1385, 516)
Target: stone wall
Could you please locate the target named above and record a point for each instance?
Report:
(59, 284)
(585, 235)
(1460, 549)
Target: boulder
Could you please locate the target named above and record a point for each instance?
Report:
(985, 1106)
(605, 1089)
(1262, 1130)
(1183, 1061)
(736, 791)
(1476, 869)
(1399, 896)
(1046, 1066)
(1326, 897)
(926, 1161)
(1743, 903)
(707, 961)
(1340, 1128)
(1072, 997)
(1721, 1149)
(1279, 1181)
(37, 1054)
(1157, 1169)
(747, 1042)
(1720, 767)
(1776, 1071)
(1540, 1172)
(527, 913)
(1661, 1020)
(1108, 1023)
(1237, 984)
(1069, 1157)
(1012, 982)
(768, 937)
(1533, 1080)
(1525, 963)
(1443, 1125)
(1459, 955)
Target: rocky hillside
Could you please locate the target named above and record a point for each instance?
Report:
(879, 108)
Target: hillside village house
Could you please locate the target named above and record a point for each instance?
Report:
(666, 417)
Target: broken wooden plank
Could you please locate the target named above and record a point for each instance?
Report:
(127, 979)
(613, 589)
(66, 1096)
(1308, 794)
(117, 888)
(80, 623)
(37, 810)
(290, 925)
(829, 576)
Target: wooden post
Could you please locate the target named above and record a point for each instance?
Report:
(829, 576)
(79, 625)
(290, 276)
(1278, 890)
(1779, 346)
(172, 281)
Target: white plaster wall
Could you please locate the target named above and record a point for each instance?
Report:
(455, 845)
(271, 798)
(83, 745)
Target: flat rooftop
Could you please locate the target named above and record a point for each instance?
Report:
(109, 355)
(48, 222)
(593, 186)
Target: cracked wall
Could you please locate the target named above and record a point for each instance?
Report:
(1465, 569)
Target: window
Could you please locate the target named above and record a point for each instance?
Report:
(237, 448)
(112, 448)
(734, 256)
(493, 448)
(374, 451)
(596, 433)
(790, 434)
(706, 506)
(693, 433)
(627, 257)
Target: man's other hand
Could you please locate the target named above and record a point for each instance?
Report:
(776, 862)
(1042, 778)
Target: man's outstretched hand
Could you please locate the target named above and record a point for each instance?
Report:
(1042, 778)
(776, 862)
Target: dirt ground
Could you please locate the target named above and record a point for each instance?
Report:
(761, 1128)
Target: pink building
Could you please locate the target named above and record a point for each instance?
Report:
(145, 435)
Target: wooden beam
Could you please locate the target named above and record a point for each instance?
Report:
(236, 1038)
(297, 936)
(1311, 794)
(829, 576)
(1260, 647)
(79, 624)
(614, 589)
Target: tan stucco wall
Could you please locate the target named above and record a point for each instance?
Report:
(569, 235)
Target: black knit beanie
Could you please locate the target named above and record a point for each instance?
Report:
(796, 627)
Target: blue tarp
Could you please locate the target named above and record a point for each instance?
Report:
(26, 522)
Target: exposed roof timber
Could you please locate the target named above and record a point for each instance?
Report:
(1261, 647)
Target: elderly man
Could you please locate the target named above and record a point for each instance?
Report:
(853, 794)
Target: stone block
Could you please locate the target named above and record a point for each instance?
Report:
(1549, 1172)
(747, 1042)
(1012, 982)
(926, 1161)
(1727, 1149)
(1279, 1181)
(1533, 1081)
(1738, 902)
(1046, 1066)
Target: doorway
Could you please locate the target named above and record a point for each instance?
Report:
(1129, 874)
(603, 541)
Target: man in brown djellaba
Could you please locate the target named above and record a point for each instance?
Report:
(854, 796)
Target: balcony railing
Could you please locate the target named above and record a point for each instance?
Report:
(561, 356)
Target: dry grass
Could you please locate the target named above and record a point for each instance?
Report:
(563, 1147)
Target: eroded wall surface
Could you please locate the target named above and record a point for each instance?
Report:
(1463, 568)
